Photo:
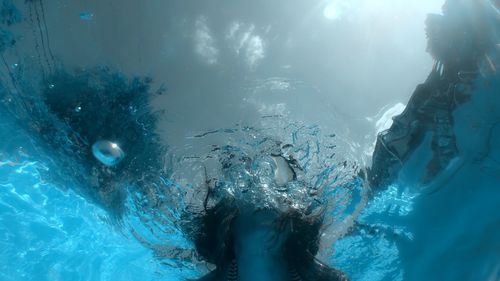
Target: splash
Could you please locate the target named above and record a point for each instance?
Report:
(292, 167)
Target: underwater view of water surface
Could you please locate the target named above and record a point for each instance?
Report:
(318, 140)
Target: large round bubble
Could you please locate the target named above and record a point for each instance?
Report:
(108, 153)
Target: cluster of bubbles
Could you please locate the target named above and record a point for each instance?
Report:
(265, 180)
(290, 167)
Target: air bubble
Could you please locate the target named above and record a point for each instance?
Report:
(108, 153)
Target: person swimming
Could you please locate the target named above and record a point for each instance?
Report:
(244, 239)
(262, 244)
(251, 237)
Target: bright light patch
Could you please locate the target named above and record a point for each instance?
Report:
(205, 42)
(382, 9)
(332, 11)
(246, 42)
(255, 50)
(385, 122)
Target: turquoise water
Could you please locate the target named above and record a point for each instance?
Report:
(47, 233)
(446, 231)
(52, 229)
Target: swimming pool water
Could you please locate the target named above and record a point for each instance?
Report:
(447, 231)
(47, 233)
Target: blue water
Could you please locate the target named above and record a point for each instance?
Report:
(51, 230)
(48, 233)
